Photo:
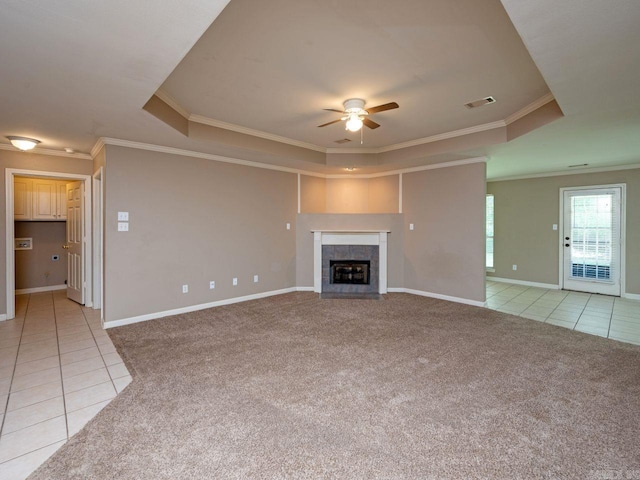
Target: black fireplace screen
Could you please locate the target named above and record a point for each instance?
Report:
(350, 271)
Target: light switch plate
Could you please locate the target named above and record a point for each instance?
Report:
(555, 226)
(411, 226)
(123, 227)
(123, 216)
(288, 226)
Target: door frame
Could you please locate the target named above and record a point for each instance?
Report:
(623, 231)
(98, 245)
(10, 173)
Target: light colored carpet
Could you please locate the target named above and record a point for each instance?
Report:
(297, 387)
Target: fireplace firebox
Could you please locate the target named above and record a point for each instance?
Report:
(353, 272)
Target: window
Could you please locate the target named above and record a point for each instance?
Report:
(489, 244)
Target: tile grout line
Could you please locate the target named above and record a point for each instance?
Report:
(64, 400)
(15, 365)
(577, 319)
(100, 351)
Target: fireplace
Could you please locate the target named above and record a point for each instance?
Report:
(350, 262)
(354, 272)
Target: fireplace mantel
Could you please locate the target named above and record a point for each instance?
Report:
(349, 237)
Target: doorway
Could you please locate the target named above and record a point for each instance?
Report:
(592, 253)
(85, 284)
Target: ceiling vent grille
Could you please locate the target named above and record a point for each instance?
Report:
(344, 140)
(480, 103)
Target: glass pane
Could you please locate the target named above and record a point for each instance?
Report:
(489, 226)
(591, 233)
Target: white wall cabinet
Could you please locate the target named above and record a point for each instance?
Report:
(39, 199)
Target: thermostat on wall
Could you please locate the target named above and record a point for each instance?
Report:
(23, 244)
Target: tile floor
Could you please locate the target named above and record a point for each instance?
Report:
(58, 369)
(610, 317)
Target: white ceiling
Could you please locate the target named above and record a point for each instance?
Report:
(74, 71)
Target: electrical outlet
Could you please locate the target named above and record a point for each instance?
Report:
(185, 288)
(515, 267)
(255, 279)
(123, 227)
(212, 285)
(123, 216)
(235, 282)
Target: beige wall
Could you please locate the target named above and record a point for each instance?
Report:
(305, 223)
(192, 221)
(313, 194)
(30, 161)
(349, 195)
(35, 268)
(525, 211)
(444, 254)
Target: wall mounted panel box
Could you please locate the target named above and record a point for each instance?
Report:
(23, 243)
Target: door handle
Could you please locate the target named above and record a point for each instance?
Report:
(566, 238)
(566, 245)
(66, 247)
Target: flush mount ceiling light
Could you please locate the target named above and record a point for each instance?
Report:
(23, 143)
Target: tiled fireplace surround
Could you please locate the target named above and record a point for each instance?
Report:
(350, 245)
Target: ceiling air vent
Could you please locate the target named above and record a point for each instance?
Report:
(344, 140)
(480, 103)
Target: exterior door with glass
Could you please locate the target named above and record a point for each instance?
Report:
(591, 242)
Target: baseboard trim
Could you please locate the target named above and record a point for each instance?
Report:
(194, 308)
(256, 296)
(631, 296)
(439, 296)
(49, 288)
(3, 317)
(550, 286)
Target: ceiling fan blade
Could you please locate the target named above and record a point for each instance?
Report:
(330, 123)
(370, 123)
(382, 108)
(333, 110)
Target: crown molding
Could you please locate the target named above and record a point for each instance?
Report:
(561, 173)
(532, 107)
(97, 147)
(434, 166)
(190, 153)
(219, 158)
(169, 100)
(445, 136)
(256, 133)
(421, 141)
(46, 151)
(165, 97)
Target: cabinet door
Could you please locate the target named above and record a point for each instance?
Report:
(22, 198)
(62, 200)
(44, 199)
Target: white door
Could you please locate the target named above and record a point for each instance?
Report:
(591, 240)
(75, 242)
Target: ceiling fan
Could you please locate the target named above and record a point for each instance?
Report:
(356, 115)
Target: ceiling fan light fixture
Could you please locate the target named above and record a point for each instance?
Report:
(354, 123)
(23, 143)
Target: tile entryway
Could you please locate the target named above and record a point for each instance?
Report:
(58, 369)
(610, 317)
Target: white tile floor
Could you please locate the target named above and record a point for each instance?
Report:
(610, 317)
(58, 369)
